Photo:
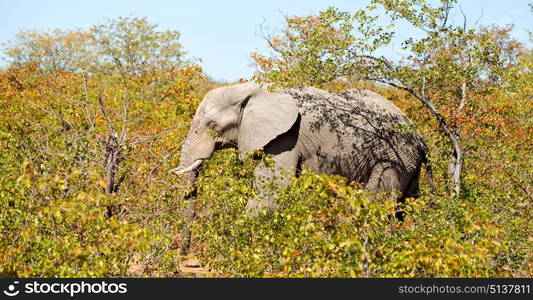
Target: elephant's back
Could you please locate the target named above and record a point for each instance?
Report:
(349, 132)
(350, 109)
(371, 98)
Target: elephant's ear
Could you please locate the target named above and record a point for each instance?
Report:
(265, 116)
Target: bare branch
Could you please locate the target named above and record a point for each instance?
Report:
(125, 113)
(447, 9)
(463, 97)
(464, 17)
(53, 113)
(102, 108)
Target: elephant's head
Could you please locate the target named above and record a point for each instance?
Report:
(245, 116)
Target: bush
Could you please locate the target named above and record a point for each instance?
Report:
(49, 231)
(67, 210)
(328, 228)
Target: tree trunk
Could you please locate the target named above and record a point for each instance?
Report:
(111, 170)
(456, 163)
(455, 169)
(112, 162)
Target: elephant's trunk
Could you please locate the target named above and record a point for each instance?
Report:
(196, 148)
(188, 164)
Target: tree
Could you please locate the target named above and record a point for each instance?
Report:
(114, 75)
(134, 62)
(51, 50)
(88, 130)
(440, 69)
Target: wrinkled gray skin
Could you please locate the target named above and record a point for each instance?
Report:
(357, 134)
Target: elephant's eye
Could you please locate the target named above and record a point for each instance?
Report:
(213, 129)
(213, 126)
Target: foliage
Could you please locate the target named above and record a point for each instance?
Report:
(311, 50)
(448, 69)
(49, 231)
(84, 152)
(50, 50)
(92, 120)
(328, 228)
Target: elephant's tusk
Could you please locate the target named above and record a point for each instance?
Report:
(180, 170)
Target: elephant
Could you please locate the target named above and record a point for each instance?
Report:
(357, 134)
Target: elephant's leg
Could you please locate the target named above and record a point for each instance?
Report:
(384, 177)
(387, 176)
(280, 174)
(413, 188)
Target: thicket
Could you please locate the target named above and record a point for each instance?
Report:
(92, 121)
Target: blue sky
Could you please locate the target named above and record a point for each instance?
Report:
(221, 33)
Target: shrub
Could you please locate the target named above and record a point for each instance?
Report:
(328, 228)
